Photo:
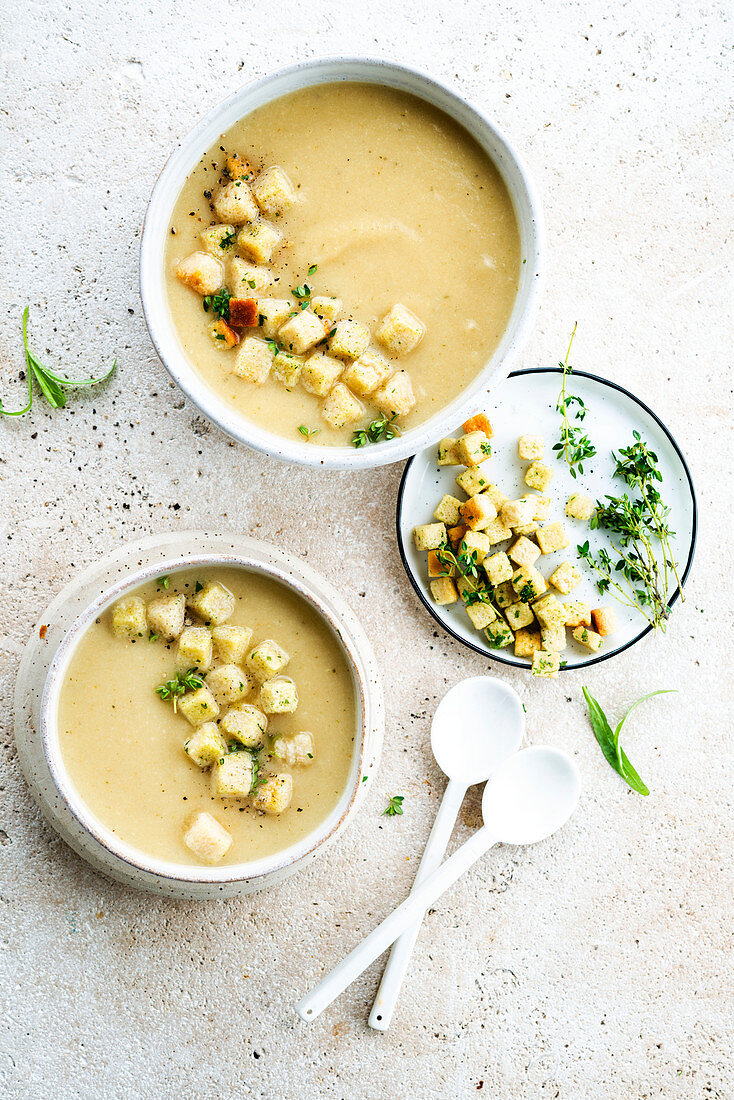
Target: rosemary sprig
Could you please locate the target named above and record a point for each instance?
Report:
(376, 432)
(218, 303)
(179, 685)
(574, 446)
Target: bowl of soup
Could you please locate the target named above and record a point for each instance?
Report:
(208, 721)
(338, 260)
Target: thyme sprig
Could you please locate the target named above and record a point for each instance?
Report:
(573, 446)
(394, 806)
(466, 566)
(308, 432)
(376, 431)
(218, 303)
(179, 685)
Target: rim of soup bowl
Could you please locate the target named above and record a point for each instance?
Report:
(220, 118)
(368, 714)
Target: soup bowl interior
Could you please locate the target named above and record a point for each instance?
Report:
(204, 135)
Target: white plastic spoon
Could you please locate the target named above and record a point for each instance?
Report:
(478, 725)
(528, 798)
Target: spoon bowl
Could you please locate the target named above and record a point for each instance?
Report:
(532, 795)
(478, 724)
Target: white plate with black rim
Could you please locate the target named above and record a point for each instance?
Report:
(525, 403)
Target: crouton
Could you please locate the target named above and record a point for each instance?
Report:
(538, 476)
(243, 312)
(206, 838)
(273, 191)
(295, 751)
(498, 568)
(400, 331)
(549, 611)
(447, 455)
(478, 512)
(579, 506)
(429, 536)
(232, 778)
(565, 577)
(320, 372)
(301, 332)
(475, 545)
(228, 684)
(201, 271)
(367, 373)
(519, 615)
(237, 167)
(258, 241)
(194, 649)
(523, 551)
(395, 397)
(328, 309)
(247, 725)
(266, 660)
(443, 590)
(222, 334)
(499, 635)
(478, 423)
(576, 613)
(530, 447)
(286, 369)
(481, 614)
(551, 537)
(526, 642)
(271, 314)
(473, 449)
(279, 696)
(212, 602)
(588, 638)
(166, 616)
(525, 529)
(504, 594)
(546, 664)
(604, 620)
(456, 534)
(274, 796)
(349, 339)
(128, 618)
(447, 510)
(528, 583)
(495, 494)
(553, 637)
(472, 481)
(515, 513)
(341, 407)
(541, 505)
(218, 239)
(437, 568)
(245, 279)
(233, 202)
(206, 746)
(497, 532)
(198, 706)
(231, 642)
(253, 360)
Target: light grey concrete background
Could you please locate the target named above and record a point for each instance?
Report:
(595, 965)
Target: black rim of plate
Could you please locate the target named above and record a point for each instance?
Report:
(492, 655)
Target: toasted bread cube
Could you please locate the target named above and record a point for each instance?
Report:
(273, 191)
(237, 167)
(504, 594)
(367, 373)
(549, 611)
(213, 603)
(286, 369)
(253, 361)
(481, 614)
(341, 407)
(395, 397)
(201, 271)
(526, 642)
(129, 618)
(274, 796)
(279, 696)
(546, 664)
(271, 314)
(232, 778)
(497, 532)
(523, 551)
(295, 751)
(472, 481)
(206, 746)
(218, 240)
(530, 447)
(456, 534)
(577, 613)
(588, 638)
(198, 706)
(528, 583)
(468, 587)
(437, 568)
(349, 339)
(231, 642)
(499, 635)
(478, 423)
(258, 241)
(473, 449)
(604, 620)
(447, 510)
(245, 279)
(443, 590)
(328, 309)
(580, 506)
(551, 537)
(242, 312)
(478, 512)
(222, 334)
(233, 202)
(447, 455)
(553, 638)
(498, 568)
(565, 578)
(320, 373)
(228, 684)
(476, 545)
(519, 615)
(166, 616)
(266, 660)
(206, 838)
(194, 649)
(538, 476)
(245, 724)
(516, 513)
(429, 536)
(496, 495)
(400, 331)
(302, 332)
(542, 506)
(525, 529)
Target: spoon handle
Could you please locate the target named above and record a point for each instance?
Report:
(425, 894)
(402, 949)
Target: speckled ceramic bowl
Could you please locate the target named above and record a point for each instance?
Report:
(42, 673)
(202, 137)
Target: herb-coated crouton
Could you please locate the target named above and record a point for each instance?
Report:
(246, 725)
(579, 506)
(273, 191)
(328, 309)
(400, 331)
(206, 746)
(274, 796)
(206, 838)
(194, 648)
(472, 481)
(212, 602)
(437, 568)
(429, 536)
(286, 369)
(266, 660)
(478, 423)
(551, 537)
(443, 590)
(577, 613)
(498, 568)
(473, 448)
(505, 594)
(515, 513)
(201, 271)
(271, 314)
(218, 239)
(367, 373)
(447, 455)
(456, 534)
(245, 279)
(471, 590)
(279, 696)
(129, 618)
(301, 332)
(231, 642)
(526, 642)
(588, 638)
(553, 637)
(222, 334)
(481, 614)
(523, 551)
(253, 361)
(228, 684)
(497, 532)
(565, 577)
(166, 616)
(545, 664)
(232, 778)
(198, 706)
(395, 397)
(349, 339)
(528, 583)
(258, 241)
(341, 407)
(237, 167)
(530, 447)
(496, 495)
(499, 635)
(233, 203)
(604, 620)
(478, 512)
(447, 510)
(541, 505)
(243, 312)
(295, 751)
(475, 545)
(549, 611)
(519, 615)
(538, 476)
(320, 372)
(526, 529)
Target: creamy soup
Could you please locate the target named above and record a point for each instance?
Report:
(147, 771)
(395, 205)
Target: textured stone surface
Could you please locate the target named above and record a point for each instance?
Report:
(595, 965)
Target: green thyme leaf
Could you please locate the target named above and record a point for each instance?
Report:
(394, 806)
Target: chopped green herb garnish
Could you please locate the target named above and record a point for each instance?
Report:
(394, 806)
(164, 582)
(218, 303)
(153, 637)
(313, 269)
(179, 685)
(198, 586)
(272, 344)
(228, 239)
(375, 432)
(302, 291)
(308, 432)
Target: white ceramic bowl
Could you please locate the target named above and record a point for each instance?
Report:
(42, 673)
(203, 136)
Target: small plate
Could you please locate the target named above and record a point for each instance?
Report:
(526, 403)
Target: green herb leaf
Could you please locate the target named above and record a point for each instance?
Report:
(164, 582)
(313, 269)
(375, 432)
(228, 239)
(609, 740)
(179, 685)
(394, 806)
(308, 432)
(218, 303)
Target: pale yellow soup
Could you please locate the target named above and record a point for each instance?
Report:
(123, 746)
(396, 203)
